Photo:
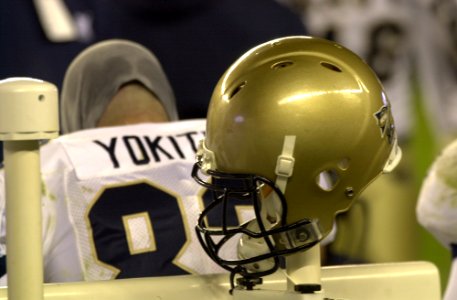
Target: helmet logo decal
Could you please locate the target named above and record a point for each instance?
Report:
(384, 122)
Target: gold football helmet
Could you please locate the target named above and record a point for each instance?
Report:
(298, 127)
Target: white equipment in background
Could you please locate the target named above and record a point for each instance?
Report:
(29, 113)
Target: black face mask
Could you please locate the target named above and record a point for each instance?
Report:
(229, 188)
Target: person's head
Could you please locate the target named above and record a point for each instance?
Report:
(113, 82)
(133, 103)
(298, 127)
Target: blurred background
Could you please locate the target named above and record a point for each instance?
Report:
(411, 44)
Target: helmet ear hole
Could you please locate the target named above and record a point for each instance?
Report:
(327, 180)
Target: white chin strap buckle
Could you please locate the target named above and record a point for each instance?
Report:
(285, 163)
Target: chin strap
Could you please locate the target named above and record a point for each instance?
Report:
(285, 162)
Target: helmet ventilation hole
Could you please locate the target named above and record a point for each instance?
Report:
(282, 64)
(237, 89)
(327, 180)
(330, 66)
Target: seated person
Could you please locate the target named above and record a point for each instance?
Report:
(118, 200)
(436, 208)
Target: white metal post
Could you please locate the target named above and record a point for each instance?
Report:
(304, 268)
(28, 114)
(23, 231)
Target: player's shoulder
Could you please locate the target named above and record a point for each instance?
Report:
(53, 156)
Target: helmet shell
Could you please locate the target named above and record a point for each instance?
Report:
(323, 94)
